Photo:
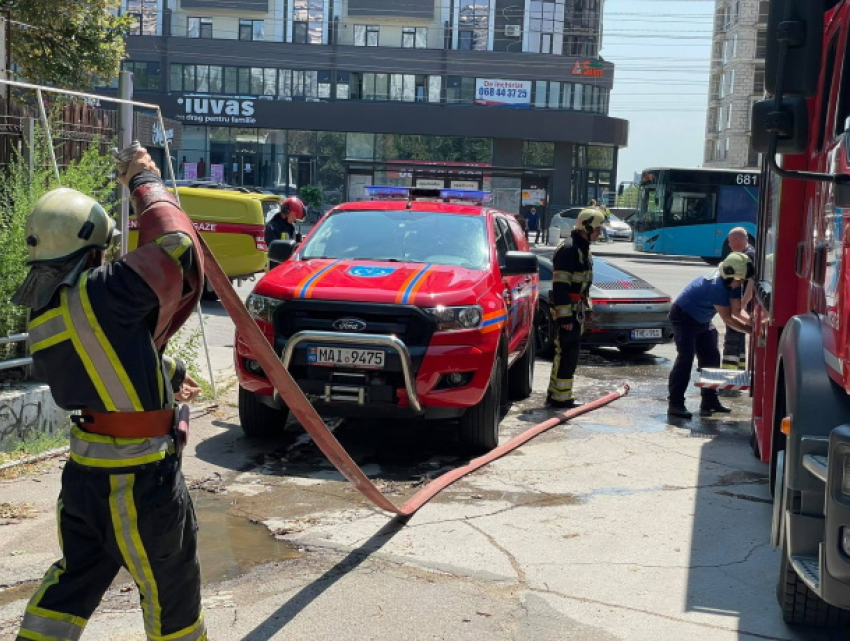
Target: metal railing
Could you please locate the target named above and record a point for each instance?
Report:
(15, 362)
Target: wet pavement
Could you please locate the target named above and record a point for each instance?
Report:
(621, 525)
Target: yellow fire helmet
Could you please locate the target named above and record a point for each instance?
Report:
(737, 265)
(66, 223)
(589, 219)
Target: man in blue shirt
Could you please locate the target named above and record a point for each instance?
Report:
(691, 316)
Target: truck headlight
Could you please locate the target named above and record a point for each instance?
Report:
(261, 307)
(455, 318)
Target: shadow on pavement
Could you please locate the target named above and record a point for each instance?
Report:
(309, 593)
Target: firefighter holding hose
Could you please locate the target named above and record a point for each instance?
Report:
(97, 334)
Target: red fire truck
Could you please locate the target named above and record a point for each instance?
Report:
(801, 338)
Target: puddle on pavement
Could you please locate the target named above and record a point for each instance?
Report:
(18, 592)
(518, 499)
(229, 545)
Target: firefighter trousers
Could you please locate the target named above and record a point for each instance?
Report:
(567, 347)
(693, 339)
(734, 350)
(139, 518)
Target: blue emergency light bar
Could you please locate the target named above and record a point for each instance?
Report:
(388, 192)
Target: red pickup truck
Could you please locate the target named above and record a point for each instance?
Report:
(400, 308)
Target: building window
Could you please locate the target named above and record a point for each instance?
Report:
(414, 37)
(764, 9)
(435, 88)
(144, 17)
(460, 90)
(308, 21)
(474, 25)
(200, 28)
(375, 86)
(546, 25)
(758, 81)
(252, 30)
(366, 35)
(761, 43)
(145, 74)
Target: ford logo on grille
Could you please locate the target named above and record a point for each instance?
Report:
(349, 325)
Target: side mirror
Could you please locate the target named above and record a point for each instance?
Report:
(790, 120)
(802, 29)
(518, 263)
(280, 251)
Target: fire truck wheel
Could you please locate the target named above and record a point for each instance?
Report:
(521, 375)
(257, 419)
(801, 605)
(479, 425)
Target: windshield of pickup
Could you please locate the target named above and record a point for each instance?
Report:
(403, 236)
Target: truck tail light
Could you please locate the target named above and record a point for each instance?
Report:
(845, 479)
(260, 242)
(845, 540)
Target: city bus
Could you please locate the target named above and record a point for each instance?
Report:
(689, 212)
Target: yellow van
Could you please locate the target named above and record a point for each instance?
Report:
(232, 222)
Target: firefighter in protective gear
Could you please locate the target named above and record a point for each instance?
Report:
(573, 275)
(97, 333)
(282, 224)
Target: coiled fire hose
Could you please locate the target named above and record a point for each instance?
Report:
(306, 414)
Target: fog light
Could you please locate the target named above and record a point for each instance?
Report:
(845, 540)
(253, 367)
(456, 378)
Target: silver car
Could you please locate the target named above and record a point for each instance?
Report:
(628, 312)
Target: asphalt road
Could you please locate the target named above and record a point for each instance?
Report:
(617, 526)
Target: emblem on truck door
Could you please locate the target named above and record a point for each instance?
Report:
(349, 325)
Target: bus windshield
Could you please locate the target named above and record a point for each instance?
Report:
(689, 212)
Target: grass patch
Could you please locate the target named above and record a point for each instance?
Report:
(39, 443)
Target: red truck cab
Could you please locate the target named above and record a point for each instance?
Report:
(399, 308)
(800, 357)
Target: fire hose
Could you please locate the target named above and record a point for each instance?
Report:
(309, 419)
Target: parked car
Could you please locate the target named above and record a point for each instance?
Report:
(628, 312)
(618, 229)
(398, 308)
(562, 223)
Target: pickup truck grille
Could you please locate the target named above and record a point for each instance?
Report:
(409, 324)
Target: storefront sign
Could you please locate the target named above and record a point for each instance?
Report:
(589, 68)
(464, 184)
(430, 184)
(503, 93)
(534, 197)
(219, 111)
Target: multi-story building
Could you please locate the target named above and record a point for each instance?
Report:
(737, 80)
(505, 95)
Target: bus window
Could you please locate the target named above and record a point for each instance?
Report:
(738, 204)
(690, 208)
(651, 211)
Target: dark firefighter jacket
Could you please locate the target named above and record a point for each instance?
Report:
(98, 344)
(278, 228)
(572, 276)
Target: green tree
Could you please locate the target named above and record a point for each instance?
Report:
(68, 43)
(311, 195)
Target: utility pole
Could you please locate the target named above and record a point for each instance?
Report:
(125, 137)
(6, 52)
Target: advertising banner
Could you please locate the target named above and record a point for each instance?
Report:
(190, 171)
(217, 173)
(503, 93)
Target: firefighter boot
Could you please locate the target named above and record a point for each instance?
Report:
(678, 410)
(712, 405)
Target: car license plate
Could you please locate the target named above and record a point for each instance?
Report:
(346, 357)
(646, 333)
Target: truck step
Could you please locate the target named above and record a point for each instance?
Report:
(808, 569)
(725, 379)
(817, 465)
